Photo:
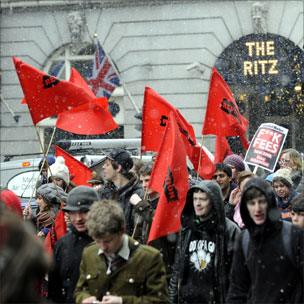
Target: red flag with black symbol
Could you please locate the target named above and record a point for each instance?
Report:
(47, 95)
(169, 177)
(222, 149)
(202, 163)
(92, 118)
(222, 117)
(155, 117)
(79, 172)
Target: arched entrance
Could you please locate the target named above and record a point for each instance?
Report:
(266, 74)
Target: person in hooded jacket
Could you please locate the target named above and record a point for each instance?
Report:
(266, 269)
(122, 184)
(205, 245)
(68, 249)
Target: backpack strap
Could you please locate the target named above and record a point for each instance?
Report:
(245, 243)
(286, 237)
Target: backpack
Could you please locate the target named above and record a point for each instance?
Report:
(286, 237)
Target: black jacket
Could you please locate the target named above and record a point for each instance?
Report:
(67, 254)
(123, 195)
(266, 274)
(217, 227)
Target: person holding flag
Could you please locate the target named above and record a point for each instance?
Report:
(204, 252)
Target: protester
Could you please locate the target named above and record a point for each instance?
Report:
(235, 196)
(11, 200)
(291, 158)
(59, 174)
(47, 198)
(96, 181)
(223, 176)
(122, 185)
(145, 211)
(297, 211)
(68, 249)
(268, 260)
(236, 163)
(43, 178)
(204, 252)
(282, 185)
(116, 268)
(24, 263)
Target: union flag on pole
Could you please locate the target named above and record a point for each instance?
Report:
(104, 78)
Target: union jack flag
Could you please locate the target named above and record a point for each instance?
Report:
(104, 79)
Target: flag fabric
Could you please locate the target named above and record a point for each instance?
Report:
(202, 163)
(47, 95)
(57, 231)
(156, 111)
(80, 173)
(222, 114)
(222, 149)
(92, 118)
(169, 177)
(104, 78)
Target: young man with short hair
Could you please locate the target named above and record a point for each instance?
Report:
(269, 256)
(297, 211)
(122, 184)
(204, 252)
(115, 268)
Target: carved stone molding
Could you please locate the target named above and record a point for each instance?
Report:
(76, 25)
(259, 18)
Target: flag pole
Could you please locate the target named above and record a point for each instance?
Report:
(117, 72)
(45, 153)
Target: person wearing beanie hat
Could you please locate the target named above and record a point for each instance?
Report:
(122, 184)
(59, 173)
(297, 211)
(282, 186)
(68, 249)
(236, 163)
(12, 201)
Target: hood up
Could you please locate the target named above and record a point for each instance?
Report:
(214, 192)
(273, 214)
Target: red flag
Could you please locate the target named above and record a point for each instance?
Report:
(46, 95)
(57, 231)
(222, 149)
(79, 172)
(205, 167)
(222, 115)
(156, 112)
(92, 118)
(170, 178)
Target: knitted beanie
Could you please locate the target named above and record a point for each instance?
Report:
(283, 175)
(235, 161)
(60, 170)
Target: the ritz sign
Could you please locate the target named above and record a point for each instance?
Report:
(262, 65)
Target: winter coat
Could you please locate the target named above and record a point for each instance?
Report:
(123, 195)
(141, 280)
(266, 274)
(218, 227)
(67, 254)
(285, 206)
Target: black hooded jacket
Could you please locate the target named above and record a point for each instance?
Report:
(123, 195)
(266, 274)
(216, 233)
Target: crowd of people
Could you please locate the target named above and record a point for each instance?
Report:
(241, 238)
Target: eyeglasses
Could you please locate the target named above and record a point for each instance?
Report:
(284, 161)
